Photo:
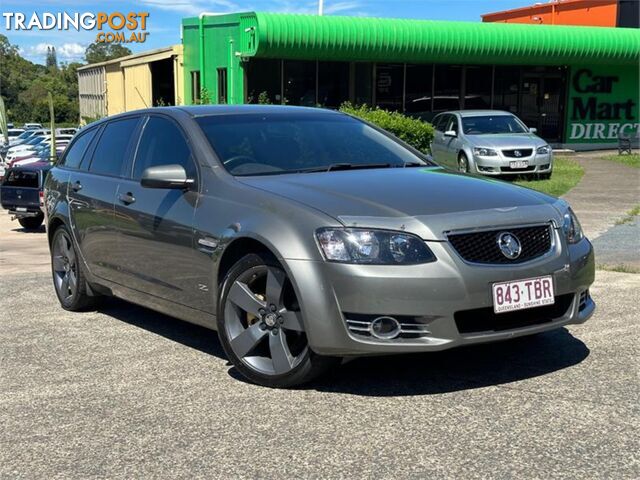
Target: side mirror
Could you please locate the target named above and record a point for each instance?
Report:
(166, 176)
(533, 130)
(450, 133)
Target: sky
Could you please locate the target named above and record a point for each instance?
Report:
(163, 23)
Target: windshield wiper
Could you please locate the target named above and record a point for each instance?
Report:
(344, 166)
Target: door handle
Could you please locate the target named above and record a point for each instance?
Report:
(77, 186)
(126, 198)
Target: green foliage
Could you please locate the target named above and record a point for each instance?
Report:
(415, 132)
(632, 160)
(263, 99)
(101, 52)
(25, 86)
(52, 59)
(205, 97)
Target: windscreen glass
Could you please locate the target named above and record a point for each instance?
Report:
(267, 144)
(492, 124)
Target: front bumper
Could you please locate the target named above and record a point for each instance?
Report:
(432, 293)
(501, 164)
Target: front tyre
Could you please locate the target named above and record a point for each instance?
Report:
(68, 278)
(260, 325)
(463, 163)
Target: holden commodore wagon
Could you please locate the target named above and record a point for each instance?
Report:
(304, 236)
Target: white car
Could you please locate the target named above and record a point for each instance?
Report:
(13, 134)
(22, 150)
(32, 125)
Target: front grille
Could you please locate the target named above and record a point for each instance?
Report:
(411, 327)
(584, 296)
(485, 320)
(482, 247)
(524, 152)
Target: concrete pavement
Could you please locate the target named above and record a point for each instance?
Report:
(123, 392)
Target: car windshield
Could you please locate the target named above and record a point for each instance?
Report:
(491, 124)
(35, 140)
(275, 143)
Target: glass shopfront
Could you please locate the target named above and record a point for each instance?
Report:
(535, 94)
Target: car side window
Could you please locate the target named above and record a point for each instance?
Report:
(452, 124)
(443, 122)
(74, 155)
(436, 121)
(162, 143)
(111, 150)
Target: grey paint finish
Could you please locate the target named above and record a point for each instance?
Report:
(161, 262)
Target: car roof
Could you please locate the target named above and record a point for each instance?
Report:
(478, 113)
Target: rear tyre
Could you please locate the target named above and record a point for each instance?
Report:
(260, 326)
(463, 163)
(31, 223)
(68, 278)
(544, 176)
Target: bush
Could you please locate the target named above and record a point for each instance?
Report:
(415, 132)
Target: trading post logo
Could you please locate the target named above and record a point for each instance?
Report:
(114, 27)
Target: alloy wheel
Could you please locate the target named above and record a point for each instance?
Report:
(463, 164)
(65, 267)
(263, 321)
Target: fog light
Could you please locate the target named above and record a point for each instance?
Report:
(385, 328)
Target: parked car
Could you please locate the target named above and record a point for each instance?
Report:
(489, 142)
(30, 145)
(32, 125)
(12, 134)
(66, 131)
(306, 235)
(21, 194)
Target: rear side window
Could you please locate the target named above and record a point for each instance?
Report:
(110, 153)
(162, 143)
(22, 178)
(441, 123)
(74, 155)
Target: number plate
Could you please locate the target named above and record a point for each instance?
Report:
(21, 209)
(519, 164)
(521, 294)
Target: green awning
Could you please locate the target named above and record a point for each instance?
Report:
(275, 35)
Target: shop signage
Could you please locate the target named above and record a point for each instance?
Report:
(601, 105)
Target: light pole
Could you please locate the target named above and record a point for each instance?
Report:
(320, 7)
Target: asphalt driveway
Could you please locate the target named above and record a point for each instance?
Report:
(123, 392)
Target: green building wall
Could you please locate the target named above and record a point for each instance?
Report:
(610, 56)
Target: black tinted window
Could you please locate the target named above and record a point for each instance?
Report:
(22, 178)
(259, 144)
(162, 143)
(112, 147)
(74, 155)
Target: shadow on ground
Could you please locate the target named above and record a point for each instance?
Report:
(40, 229)
(413, 374)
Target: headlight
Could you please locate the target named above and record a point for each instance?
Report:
(572, 228)
(373, 247)
(544, 150)
(484, 152)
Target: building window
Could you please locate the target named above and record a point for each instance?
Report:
(264, 81)
(333, 83)
(363, 84)
(222, 85)
(505, 88)
(195, 86)
(390, 86)
(419, 86)
(300, 82)
(477, 87)
(447, 88)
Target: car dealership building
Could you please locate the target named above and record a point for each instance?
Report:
(579, 86)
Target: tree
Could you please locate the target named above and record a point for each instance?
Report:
(101, 52)
(52, 60)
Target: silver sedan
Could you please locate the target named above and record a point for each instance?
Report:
(489, 142)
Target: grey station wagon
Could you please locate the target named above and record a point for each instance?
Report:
(304, 236)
